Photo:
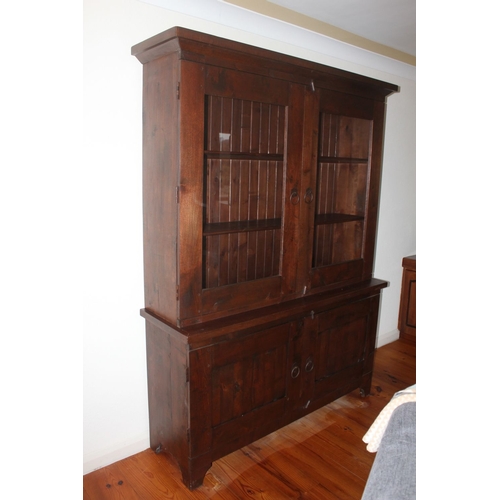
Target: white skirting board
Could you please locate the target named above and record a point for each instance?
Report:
(101, 458)
(387, 338)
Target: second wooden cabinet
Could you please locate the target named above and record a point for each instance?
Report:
(261, 176)
(407, 322)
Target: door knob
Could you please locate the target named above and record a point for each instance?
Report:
(309, 196)
(309, 365)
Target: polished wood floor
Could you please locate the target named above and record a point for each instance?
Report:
(319, 457)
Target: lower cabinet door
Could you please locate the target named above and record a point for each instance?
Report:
(246, 388)
(331, 355)
(345, 337)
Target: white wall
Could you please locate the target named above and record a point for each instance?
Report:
(115, 417)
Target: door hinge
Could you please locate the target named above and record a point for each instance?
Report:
(178, 90)
(177, 190)
(187, 374)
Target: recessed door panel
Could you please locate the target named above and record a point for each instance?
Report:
(249, 374)
(342, 344)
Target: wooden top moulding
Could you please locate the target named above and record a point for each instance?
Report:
(208, 49)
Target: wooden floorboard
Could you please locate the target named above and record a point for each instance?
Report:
(319, 457)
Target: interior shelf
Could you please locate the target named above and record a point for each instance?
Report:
(336, 218)
(231, 155)
(337, 159)
(240, 226)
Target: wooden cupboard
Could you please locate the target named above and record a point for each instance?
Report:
(261, 177)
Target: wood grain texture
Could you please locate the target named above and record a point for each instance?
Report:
(160, 178)
(261, 176)
(319, 457)
(407, 321)
(261, 188)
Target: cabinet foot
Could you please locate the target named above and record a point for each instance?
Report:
(364, 391)
(194, 478)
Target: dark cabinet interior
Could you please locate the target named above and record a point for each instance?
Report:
(261, 177)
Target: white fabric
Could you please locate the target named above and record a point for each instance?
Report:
(377, 429)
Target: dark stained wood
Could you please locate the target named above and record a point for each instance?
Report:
(159, 185)
(320, 456)
(374, 187)
(292, 193)
(334, 218)
(190, 141)
(407, 322)
(167, 391)
(241, 226)
(243, 179)
(244, 140)
(261, 182)
(235, 137)
(239, 325)
(345, 184)
(209, 49)
(207, 401)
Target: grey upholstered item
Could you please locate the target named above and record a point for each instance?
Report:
(393, 474)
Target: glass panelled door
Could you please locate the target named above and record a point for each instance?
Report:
(243, 190)
(244, 169)
(342, 191)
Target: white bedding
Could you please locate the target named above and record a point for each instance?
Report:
(377, 429)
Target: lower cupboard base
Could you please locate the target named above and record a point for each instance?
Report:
(194, 472)
(215, 392)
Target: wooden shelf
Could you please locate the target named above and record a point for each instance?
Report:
(232, 155)
(337, 159)
(242, 226)
(336, 218)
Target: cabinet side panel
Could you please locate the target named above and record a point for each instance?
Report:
(160, 159)
(200, 402)
(407, 322)
(411, 316)
(374, 188)
(167, 393)
(370, 346)
(191, 147)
